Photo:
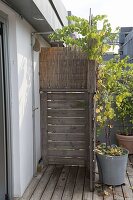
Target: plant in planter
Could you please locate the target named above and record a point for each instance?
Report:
(124, 111)
(95, 43)
(111, 93)
(112, 163)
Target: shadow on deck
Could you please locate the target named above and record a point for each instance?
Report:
(71, 183)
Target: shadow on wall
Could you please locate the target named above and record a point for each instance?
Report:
(25, 87)
(25, 119)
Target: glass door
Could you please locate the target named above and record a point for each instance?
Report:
(3, 171)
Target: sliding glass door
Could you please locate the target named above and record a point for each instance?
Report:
(3, 171)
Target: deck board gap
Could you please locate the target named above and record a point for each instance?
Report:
(75, 181)
(65, 183)
(69, 188)
(78, 191)
(38, 182)
(85, 174)
(37, 194)
(47, 182)
(33, 185)
(56, 183)
(49, 189)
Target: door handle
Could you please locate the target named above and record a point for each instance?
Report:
(33, 108)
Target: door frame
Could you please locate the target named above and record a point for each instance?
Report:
(4, 20)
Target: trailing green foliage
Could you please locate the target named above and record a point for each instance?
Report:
(114, 92)
(87, 36)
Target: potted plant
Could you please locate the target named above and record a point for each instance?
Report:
(125, 114)
(111, 94)
(112, 163)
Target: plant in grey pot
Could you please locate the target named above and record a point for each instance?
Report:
(111, 159)
(112, 163)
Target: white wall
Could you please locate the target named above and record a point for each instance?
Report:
(23, 34)
(24, 56)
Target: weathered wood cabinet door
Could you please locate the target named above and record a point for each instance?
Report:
(67, 87)
(64, 127)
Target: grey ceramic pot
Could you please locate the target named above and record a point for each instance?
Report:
(112, 169)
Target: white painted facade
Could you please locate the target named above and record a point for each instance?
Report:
(24, 62)
(20, 63)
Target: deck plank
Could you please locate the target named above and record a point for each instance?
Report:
(42, 184)
(130, 169)
(127, 192)
(69, 188)
(32, 186)
(57, 195)
(130, 175)
(66, 183)
(118, 193)
(110, 192)
(87, 195)
(52, 183)
(97, 194)
(79, 186)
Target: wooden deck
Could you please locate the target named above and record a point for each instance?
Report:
(71, 183)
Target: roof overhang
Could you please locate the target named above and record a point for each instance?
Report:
(29, 10)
